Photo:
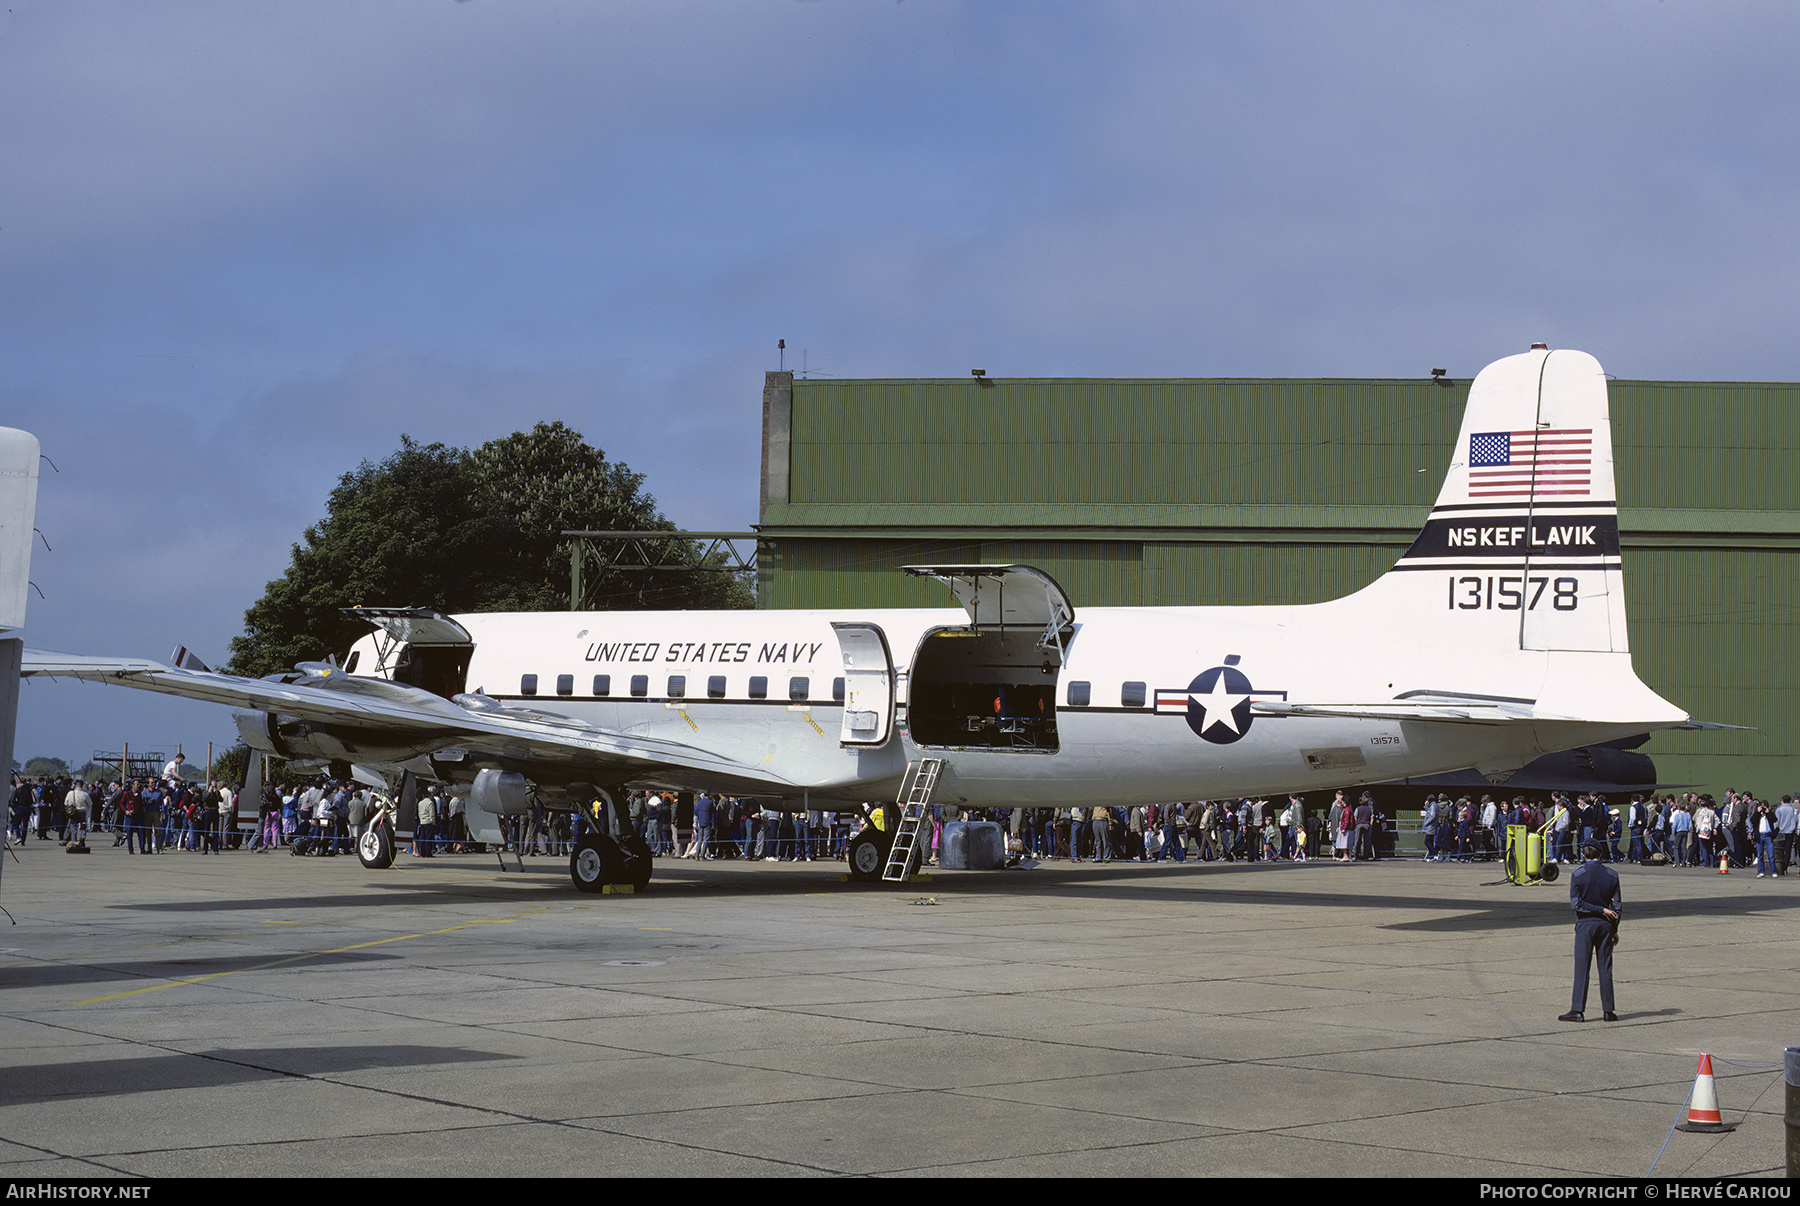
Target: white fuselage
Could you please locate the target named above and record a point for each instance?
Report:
(1165, 715)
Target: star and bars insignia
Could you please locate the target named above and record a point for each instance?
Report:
(1216, 704)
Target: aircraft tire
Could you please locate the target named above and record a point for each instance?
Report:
(595, 863)
(868, 855)
(376, 847)
(638, 862)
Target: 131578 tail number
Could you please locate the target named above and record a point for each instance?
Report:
(1510, 594)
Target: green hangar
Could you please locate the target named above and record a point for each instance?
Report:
(1231, 491)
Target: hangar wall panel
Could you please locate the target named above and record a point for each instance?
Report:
(1234, 574)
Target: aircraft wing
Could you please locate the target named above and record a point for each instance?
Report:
(395, 714)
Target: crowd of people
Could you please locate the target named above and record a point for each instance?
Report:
(146, 815)
(1249, 830)
(1690, 830)
(154, 814)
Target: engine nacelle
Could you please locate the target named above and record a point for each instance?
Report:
(499, 792)
(253, 731)
(304, 739)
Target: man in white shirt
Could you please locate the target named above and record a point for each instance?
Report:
(76, 806)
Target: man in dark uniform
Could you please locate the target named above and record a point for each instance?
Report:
(1365, 829)
(1594, 895)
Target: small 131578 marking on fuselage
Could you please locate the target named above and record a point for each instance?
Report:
(1500, 593)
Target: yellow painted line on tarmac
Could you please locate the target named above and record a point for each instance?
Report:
(79, 958)
(357, 946)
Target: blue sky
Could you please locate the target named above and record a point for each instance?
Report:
(244, 247)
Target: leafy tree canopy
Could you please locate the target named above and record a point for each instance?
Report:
(46, 768)
(457, 530)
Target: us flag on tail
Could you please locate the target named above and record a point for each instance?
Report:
(1539, 463)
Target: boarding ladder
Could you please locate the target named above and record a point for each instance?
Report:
(915, 797)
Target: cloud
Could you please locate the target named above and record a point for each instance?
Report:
(153, 128)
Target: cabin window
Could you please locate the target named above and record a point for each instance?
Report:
(565, 684)
(1080, 694)
(528, 684)
(640, 684)
(715, 687)
(677, 686)
(602, 684)
(759, 687)
(355, 657)
(837, 689)
(1132, 695)
(799, 688)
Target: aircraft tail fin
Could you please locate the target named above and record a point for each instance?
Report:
(1526, 527)
(1515, 580)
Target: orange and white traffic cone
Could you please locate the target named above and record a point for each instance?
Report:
(1703, 1104)
(1724, 863)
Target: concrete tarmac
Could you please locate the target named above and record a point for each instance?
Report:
(266, 1015)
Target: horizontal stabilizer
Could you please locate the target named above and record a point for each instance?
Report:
(181, 659)
(1448, 712)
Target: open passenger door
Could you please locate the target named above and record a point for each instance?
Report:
(868, 684)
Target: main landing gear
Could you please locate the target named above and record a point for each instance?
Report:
(601, 861)
(869, 852)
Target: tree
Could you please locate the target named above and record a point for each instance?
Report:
(549, 481)
(46, 768)
(461, 531)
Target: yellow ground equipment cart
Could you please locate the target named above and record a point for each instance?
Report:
(1525, 857)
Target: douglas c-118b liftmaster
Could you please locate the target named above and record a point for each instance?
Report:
(1497, 637)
